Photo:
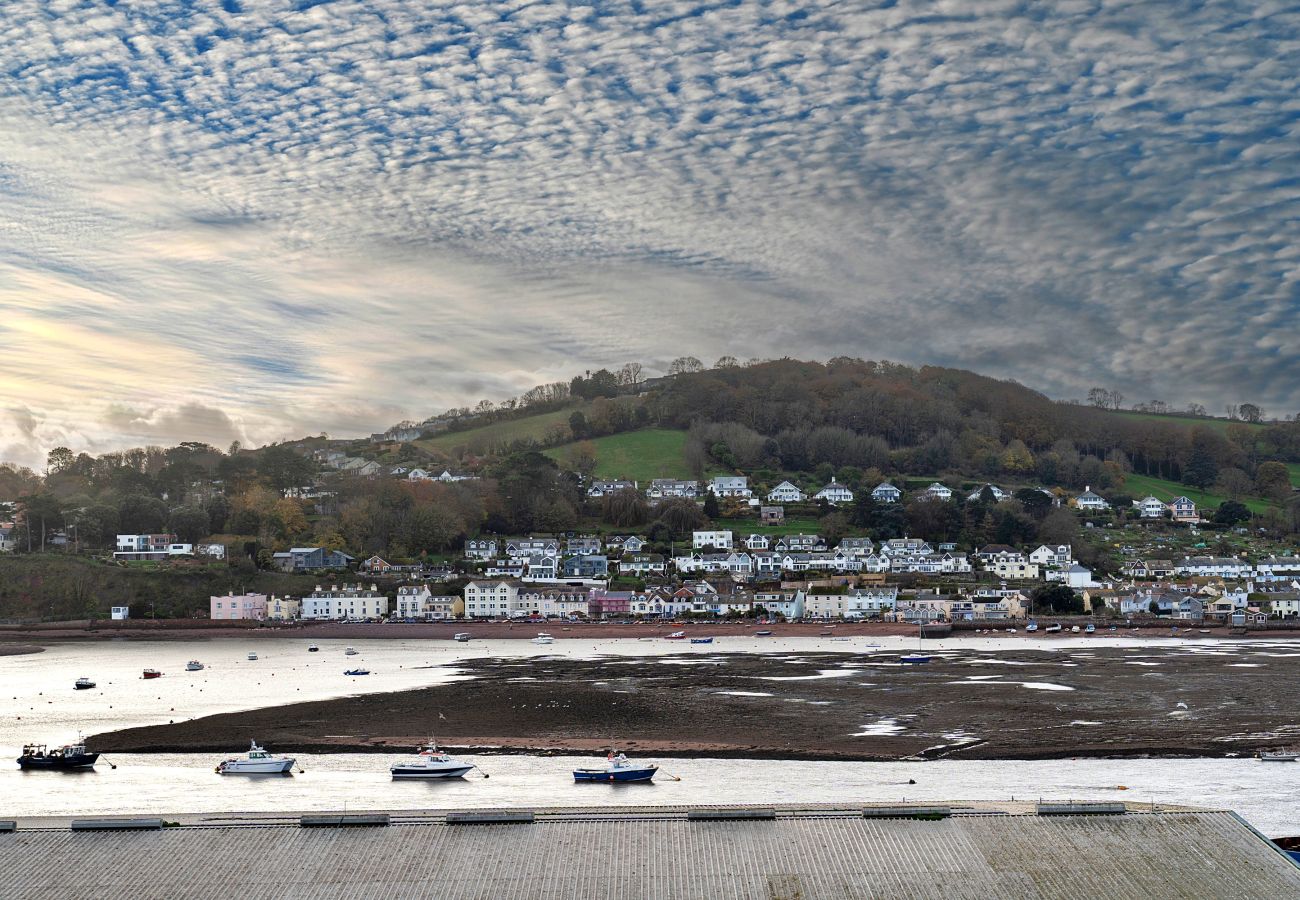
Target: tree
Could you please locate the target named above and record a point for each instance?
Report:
(1273, 480)
(282, 467)
(630, 374)
(60, 459)
(1057, 599)
(141, 514)
(1250, 412)
(711, 507)
(1195, 409)
(1230, 512)
(1037, 503)
(578, 425)
(685, 365)
(189, 523)
(680, 515)
(726, 362)
(1099, 397)
(1202, 470)
(625, 508)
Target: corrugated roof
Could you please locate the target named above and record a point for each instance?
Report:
(659, 853)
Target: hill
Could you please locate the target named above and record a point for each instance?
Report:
(1220, 425)
(1138, 486)
(635, 455)
(490, 438)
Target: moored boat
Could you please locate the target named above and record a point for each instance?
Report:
(256, 762)
(461, 636)
(1032, 626)
(312, 648)
(675, 636)
(618, 768)
(1278, 756)
(252, 657)
(543, 638)
(762, 634)
(350, 651)
(356, 672)
(194, 666)
(67, 757)
(83, 684)
(914, 659)
(430, 762)
(151, 673)
(707, 640)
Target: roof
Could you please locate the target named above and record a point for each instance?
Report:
(983, 853)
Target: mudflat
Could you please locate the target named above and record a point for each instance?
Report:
(1206, 699)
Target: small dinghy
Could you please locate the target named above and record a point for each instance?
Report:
(762, 634)
(194, 666)
(356, 672)
(256, 762)
(312, 648)
(151, 673)
(675, 636)
(707, 640)
(543, 638)
(252, 657)
(914, 659)
(618, 768)
(350, 651)
(430, 762)
(83, 684)
(462, 636)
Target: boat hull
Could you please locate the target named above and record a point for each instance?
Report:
(82, 687)
(701, 640)
(64, 763)
(261, 767)
(612, 776)
(411, 773)
(914, 660)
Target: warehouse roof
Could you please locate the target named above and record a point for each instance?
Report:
(975, 853)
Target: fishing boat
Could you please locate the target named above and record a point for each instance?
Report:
(194, 666)
(252, 657)
(151, 673)
(762, 634)
(1091, 629)
(618, 768)
(543, 638)
(1278, 756)
(1053, 628)
(675, 636)
(356, 671)
(256, 762)
(1032, 626)
(462, 636)
(707, 640)
(66, 758)
(312, 648)
(83, 684)
(350, 651)
(430, 762)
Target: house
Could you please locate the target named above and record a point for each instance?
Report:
(418, 475)
(870, 602)
(905, 546)
(362, 468)
(481, 548)
(585, 566)
(758, 542)
(1183, 510)
(643, 564)
(824, 605)
(1073, 575)
(740, 564)
(1058, 555)
(375, 565)
(789, 604)
(730, 486)
(1278, 566)
(542, 567)
(834, 494)
(144, 543)
(998, 494)
(283, 609)
(242, 606)
(1090, 501)
(605, 488)
(937, 491)
(856, 546)
(1149, 568)
(555, 602)
(448, 477)
(6, 538)
(213, 550)
(799, 543)
(1013, 568)
(664, 488)
(1212, 566)
(610, 604)
(505, 568)
(1151, 508)
(119, 613)
(992, 552)
(311, 559)
(719, 539)
(771, 515)
(766, 565)
(886, 493)
(521, 548)
(417, 601)
(345, 602)
(626, 543)
(491, 599)
(786, 492)
(586, 544)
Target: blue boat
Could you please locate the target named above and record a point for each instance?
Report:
(762, 634)
(357, 672)
(701, 640)
(619, 769)
(915, 659)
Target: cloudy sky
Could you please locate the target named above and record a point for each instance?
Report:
(256, 219)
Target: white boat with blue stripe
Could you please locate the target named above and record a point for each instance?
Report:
(430, 762)
(618, 769)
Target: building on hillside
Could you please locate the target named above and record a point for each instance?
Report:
(771, 515)
(311, 559)
(731, 486)
(1090, 501)
(1073, 575)
(1151, 507)
(586, 566)
(1183, 510)
(283, 609)
(522, 548)
(937, 491)
(491, 599)
(720, 540)
(786, 492)
(835, 494)
(481, 548)
(345, 602)
(886, 493)
(241, 606)
(584, 543)
(667, 488)
(1058, 556)
(856, 546)
(758, 542)
(605, 488)
(998, 494)
(642, 564)
(799, 543)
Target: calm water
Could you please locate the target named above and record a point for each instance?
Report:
(38, 703)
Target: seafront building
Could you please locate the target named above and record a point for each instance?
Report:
(241, 606)
(345, 602)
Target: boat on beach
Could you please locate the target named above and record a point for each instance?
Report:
(66, 758)
(675, 636)
(151, 673)
(430, 762)
(1032, 626)
(762, 634)
(312, 648)
(1053, 629)
(194, 666)
(256, 762)
(356, 672)
(349, 651)
(252, 657)
(462, 636)
(707, 640)
(543, 638)
(83, 684)
(618, 768)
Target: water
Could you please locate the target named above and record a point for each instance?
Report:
(37, 703)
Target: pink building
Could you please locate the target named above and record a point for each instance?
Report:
(241, 606)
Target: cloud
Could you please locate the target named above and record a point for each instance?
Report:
(331, 216)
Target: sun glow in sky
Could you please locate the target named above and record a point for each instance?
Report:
(255, 220)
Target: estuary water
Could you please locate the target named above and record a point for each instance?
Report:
(37, 703)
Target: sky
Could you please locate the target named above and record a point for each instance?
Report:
(256, 220)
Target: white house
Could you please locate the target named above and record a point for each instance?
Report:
(663, 488)
(1151, 508)
(905, 546)
(886, 493)
(418, 602)
(1074, 575)
(720, 539)
(1013, 568)
(1212, 566)
(785, 492)
(937, 491)
(1090, 501)
(119, 613)
(998, 494)
(834, 493)
(758, 542)
(1183, 510)
(864, 603)
(491, 599)
(418, 475)
(345, 602)
(642, 564)
(856, 546)
(730, 486)
(1057, 555)
(605, 488)
(799, 543)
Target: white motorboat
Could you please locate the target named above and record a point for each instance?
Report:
(461, 636)
(83, 684)
(543, 638)
(1278, 756)
(256, 762)
(312, 648)
(194, 666)
(430, 762)
(252, 657)
(350, 651)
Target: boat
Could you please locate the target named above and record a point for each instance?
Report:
(256, 762)
(1074, 629)
(350, 651)
(65, 758)
(252, 657)
(675, 636)
(762, 634)
(194, 666)
(1278, 756)
(543, 638)
(917, 658)
(1032, 626)
(430, 762)
(1091, 629)
(618, 768)
(151, 673)
(462, 636)
(707, 640)
(83, 684)
(1053, 629)
(312, 648)
(356, 671)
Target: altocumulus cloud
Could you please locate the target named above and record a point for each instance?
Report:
(260, 219)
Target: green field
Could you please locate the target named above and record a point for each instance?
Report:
(1294, 469)
(635, 455)
(1140, 485)
(1188, 421)
(489, 436)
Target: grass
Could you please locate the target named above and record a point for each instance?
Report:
(1141, 485)
(1189, 421)
(1294, 469)
(498, 433)
(638, 456)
